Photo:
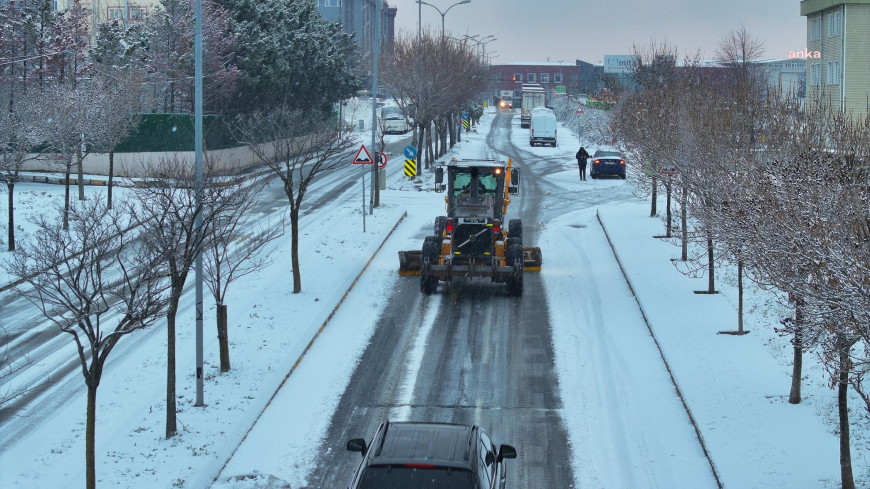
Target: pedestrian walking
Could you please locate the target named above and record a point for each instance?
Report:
(582, 155)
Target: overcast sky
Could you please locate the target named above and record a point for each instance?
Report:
(567, 30)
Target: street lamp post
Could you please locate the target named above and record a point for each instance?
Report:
(443, 14)
(482, 44)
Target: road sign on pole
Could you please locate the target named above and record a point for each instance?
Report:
(384, 159)
(410, 152)
(363, 157)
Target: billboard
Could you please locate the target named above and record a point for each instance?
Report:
(618, 63)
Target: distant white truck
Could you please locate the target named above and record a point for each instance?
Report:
(543, 127)
(394, 120)
(533, 96)
(506, 99)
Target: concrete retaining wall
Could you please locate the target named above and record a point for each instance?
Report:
(229, 160)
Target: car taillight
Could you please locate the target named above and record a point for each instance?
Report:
(595, 162)
(496, 226)
(449, 226)
(622, 162)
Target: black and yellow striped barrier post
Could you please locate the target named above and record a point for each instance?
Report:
(411, 167)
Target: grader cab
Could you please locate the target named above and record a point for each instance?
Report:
(472, 240)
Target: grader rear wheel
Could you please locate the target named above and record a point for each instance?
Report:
(515, 259)
(429, 256)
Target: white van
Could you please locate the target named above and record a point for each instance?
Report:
(393, 120)
(543, 128)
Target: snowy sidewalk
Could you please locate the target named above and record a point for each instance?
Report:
(734, 386)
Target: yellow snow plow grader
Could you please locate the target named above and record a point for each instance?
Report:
(471, 240)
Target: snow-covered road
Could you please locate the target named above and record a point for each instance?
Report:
(621, 413)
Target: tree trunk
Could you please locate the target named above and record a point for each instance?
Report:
(684, 221)
(794, 396)
(10, 187)
(81, 173)
(294, 250)
(111, 176)
(66, 196)
(711, 267)
(428, 144)
(422, 162)
(653, 211)
(223, 338)
(848, 480)
(739, 294)
(171, 409)
(670, 223)
(90, 435)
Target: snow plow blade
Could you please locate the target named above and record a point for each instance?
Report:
(409, 261)
(532, 259)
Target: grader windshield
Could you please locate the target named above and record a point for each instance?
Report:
(486, 181)
(476, 190)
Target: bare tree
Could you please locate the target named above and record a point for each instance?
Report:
(10, 366)
(297, 147)
(739, 53)
(435, 75)
(18, 137)
(95, 281)
(166, 208)
(116, 116)
(645, 121)
(62, 132)
(236, 248)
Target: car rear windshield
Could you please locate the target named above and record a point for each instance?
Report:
(607, 154)
(416, 477)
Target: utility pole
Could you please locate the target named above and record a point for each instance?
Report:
(197, 103)
(376, 45)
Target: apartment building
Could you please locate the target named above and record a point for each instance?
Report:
(103, 10)
(838, 52)
(358, 17)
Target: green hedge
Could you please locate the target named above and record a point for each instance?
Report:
(599, 104)
(174, 132)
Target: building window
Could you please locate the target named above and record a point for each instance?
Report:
(815, 29)
(332, 3)
(557, 78)
(497, 76)
(518, 77)
(833, 73)
(545, 78)
(815, 74)
(532, 77)
(835, 24)
(137, 13)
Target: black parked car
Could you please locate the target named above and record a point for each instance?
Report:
(607, 163)
(411, 455)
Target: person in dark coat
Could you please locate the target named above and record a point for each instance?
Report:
(581, 162)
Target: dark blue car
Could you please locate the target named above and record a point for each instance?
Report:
(606, 163)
